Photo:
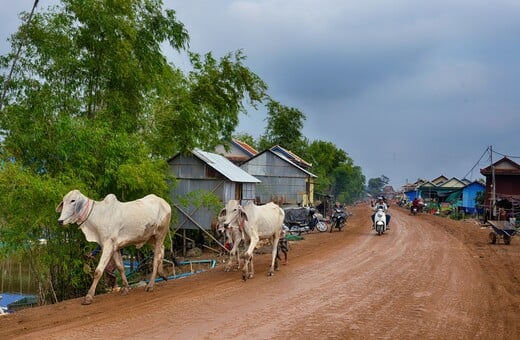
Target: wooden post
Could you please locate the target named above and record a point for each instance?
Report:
(9, 287)
(3, 274)
(184, 242)
(20, 275)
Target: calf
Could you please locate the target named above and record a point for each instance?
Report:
(233, 236)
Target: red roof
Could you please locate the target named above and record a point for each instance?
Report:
(246, 147)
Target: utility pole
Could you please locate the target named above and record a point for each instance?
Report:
(493, 188)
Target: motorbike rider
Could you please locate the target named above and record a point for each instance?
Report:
(415, 204)
(381, 204)
(337, 206)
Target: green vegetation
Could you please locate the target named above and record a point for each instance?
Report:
(376, 185)
(93, 104)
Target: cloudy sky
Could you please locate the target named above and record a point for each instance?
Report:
(408, 88)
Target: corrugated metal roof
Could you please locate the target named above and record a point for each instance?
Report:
(225, 167)
(291, 156)
(291, 162)
(245, 147)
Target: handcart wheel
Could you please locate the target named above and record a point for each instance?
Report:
(507, 239)
(492, 238)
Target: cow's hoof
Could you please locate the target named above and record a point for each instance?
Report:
(149, 289)
(271, 273)
(124, 291)
(87, 300)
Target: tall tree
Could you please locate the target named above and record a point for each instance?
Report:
(202, 110)
(337, 174)
(376, 185)
(284, 128)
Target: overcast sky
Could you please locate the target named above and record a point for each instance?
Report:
(409, 89)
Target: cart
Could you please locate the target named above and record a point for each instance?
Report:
(501, 230)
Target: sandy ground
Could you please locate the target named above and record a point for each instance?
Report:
(427, 278)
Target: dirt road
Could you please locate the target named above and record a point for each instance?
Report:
(428, 277)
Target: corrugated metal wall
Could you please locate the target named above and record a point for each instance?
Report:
(280, 179)
(191, 174)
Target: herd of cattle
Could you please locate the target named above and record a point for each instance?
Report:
(115, 225)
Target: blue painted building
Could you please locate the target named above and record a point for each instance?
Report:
(469, 193)
(464, 199)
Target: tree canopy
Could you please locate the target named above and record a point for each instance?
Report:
(337, 174)
(284, 128)
(376, 185)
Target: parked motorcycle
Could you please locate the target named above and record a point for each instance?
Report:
(380, 221)
(338, 219)
(310, 221)
(414, 211)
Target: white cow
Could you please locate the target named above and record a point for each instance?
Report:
(115, 225)
(258, 222)
(233, 235)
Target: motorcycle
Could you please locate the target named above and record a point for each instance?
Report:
(414, 211)
(311, 222)
(338, 220)
(380, 221)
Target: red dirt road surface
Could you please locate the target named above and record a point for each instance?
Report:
(427, 278)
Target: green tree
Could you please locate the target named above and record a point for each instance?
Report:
(202, 110)
(325, 157)
(337, 174)
(93, 104)
(349, 183)
(284, 128)
(376, 185)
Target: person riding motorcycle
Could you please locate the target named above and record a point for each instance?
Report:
(415, 204)
(381, 204)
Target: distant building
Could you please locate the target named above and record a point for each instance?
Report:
(436, 190)
(464, 199)
(238, 153)
(506, 175)
(439, 180)
(389, 192)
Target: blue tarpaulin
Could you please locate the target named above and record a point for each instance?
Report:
(9, 299)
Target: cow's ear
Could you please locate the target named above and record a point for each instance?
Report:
(79, 206)
(59, 207)
(222, 213)
(243, 212)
